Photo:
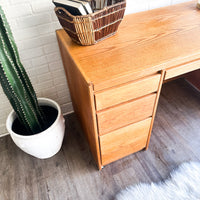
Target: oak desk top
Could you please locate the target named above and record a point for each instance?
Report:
(145, 43)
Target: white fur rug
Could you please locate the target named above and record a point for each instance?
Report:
(183, 184)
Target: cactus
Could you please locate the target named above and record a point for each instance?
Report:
(15, 82)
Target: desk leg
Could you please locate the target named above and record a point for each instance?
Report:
(155, 107)
(194, 79)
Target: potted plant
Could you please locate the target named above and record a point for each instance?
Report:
(35, 125)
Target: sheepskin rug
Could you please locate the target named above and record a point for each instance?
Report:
(183, 184)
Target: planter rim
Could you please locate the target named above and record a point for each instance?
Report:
(41, 100)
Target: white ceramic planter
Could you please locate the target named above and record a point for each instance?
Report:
(45, 144)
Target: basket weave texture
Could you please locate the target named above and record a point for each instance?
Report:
(92, 28)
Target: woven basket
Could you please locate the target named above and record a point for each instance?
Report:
(92, 28)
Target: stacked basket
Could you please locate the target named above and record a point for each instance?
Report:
(90, 29)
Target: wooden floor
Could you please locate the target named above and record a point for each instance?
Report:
(72, 173)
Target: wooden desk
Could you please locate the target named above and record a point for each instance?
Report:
(115, 84)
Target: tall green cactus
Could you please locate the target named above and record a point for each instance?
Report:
(15, 82)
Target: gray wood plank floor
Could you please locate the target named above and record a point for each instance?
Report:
(72, 173)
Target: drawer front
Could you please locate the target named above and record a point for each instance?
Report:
(124, 141)
(125, 92)
(124, 114)
(182, 69)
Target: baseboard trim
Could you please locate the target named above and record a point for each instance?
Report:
(4, 134)
(68, 113)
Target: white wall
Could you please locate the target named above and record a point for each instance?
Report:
(134, 6)
(34, 23)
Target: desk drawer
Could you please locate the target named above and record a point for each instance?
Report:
(124, 141)
(182, 69)
(126, 113)
(126, 92)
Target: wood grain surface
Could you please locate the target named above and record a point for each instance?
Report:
(155, 106)
(72, 173)
(145, 43)
(83, 101)
(126, 92)
(124, 141)
(125, 114)
(182, 69)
